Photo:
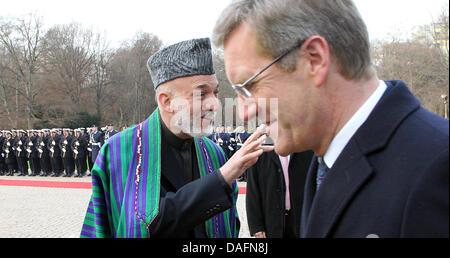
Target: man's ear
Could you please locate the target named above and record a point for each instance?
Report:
(165, 100)
(316, 52)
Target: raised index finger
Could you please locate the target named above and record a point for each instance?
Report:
(259, 131)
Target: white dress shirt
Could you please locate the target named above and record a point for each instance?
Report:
(346, 133)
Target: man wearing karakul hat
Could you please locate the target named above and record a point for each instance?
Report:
(163, 177)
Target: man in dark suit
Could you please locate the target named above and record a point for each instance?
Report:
(274, 211)
(382, 164)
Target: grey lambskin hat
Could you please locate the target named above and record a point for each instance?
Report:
(186, 58)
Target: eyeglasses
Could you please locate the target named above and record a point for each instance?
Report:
(240, 88)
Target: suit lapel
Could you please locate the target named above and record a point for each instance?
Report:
(275, 158)
(342, 182)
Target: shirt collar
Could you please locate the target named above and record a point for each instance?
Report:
(346, 133)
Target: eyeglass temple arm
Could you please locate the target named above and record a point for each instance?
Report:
(274, 61)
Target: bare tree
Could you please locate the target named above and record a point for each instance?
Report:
(132, 81)
(21, 38)
(5, 91)
(100, 76)
(440, 36)
(416, 62)
(69, 56)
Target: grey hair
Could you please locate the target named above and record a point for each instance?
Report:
(166, 89)
(281, 24)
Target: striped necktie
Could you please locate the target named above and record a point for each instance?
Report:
(322, 171)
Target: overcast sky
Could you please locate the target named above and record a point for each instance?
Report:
(177, 20)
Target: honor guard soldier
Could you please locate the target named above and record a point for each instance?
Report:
(241, 136)
(35, 161)
(88, 133)
(17, 149)
(109, 132)
(3, 167)
(10, 156)
(29, 144)
(88, 150)
(15, 140)
(233, 143)
(59, 138)
(96, 140)
(44, 152)
(216, 136)
(79, 149)
(21, 153)
(66, 153)
(55, 152)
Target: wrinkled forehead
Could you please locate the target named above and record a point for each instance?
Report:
(188, 85)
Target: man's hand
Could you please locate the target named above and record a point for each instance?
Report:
(260, 234)
(246, 156)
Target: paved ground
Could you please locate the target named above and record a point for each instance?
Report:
(44, 212)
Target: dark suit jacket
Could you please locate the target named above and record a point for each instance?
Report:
(391, 179)
(266, 188)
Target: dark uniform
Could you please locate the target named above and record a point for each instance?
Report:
(232, 144)
(97, 140)
(67, 154)
(217, 139)
(44, 153)
(59, 138)
(87, 137)
(55, 153)
(225, 137)
(21, 153)
(79, 150)
(110, 133)
(241, 138)
(35, 162)
(3, 167)
(10, 156)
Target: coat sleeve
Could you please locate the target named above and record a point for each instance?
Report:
(191, 205)
(426, 213)
(253, 202)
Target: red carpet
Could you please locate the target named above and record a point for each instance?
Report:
(54, 184)
(59, 184)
